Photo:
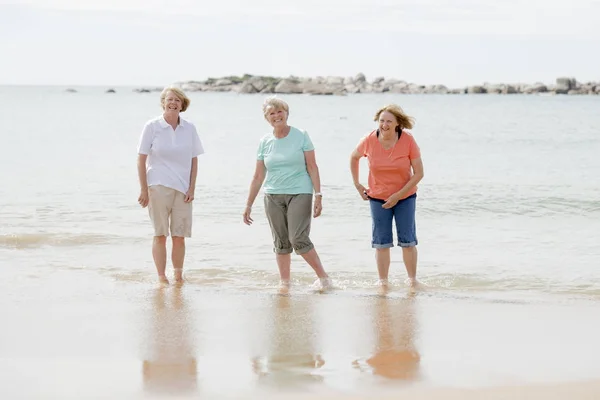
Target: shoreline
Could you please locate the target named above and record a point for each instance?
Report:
(195, 341)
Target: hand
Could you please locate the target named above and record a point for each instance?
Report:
(362, 191)
(390, 201)
(189, 196)
(144, 198)
(247, 219)
(318, 206)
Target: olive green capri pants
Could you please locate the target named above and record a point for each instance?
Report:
(289, 217)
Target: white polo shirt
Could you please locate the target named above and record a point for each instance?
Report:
(170, 152)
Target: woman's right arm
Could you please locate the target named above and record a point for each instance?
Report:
(257, 181)
(354, 164)
(143, 149)
(141, 167)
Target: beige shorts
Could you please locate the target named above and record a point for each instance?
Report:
(169, 212)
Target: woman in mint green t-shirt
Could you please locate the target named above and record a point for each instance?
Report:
(286, 158)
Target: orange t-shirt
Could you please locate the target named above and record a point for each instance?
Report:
(389, 170)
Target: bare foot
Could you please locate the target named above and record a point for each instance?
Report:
(414, 285)
(383, 283)
(284, 287)
(178, 276)
(322, 284)
(383, 287)
(163, 281)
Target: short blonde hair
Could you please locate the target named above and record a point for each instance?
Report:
(276, 103)
(185, 101)
(402, 119)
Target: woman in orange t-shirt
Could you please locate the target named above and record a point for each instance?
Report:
(395, 168)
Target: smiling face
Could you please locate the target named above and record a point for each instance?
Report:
(172, 103)
(276, 116)
(387, 123)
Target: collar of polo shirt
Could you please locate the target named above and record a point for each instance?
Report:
(163, 122)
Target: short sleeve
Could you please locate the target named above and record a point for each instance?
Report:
(260, 153)
(145, 142)
(307, 144)
(196, 144)
(414, 151)
(362, 146)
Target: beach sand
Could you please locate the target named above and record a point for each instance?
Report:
(74, 333)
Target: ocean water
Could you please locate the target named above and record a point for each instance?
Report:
(508, 219)
(509, 208)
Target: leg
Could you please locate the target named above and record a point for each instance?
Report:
(382, 256)
(406, 227)
(177, 257)
(409, 255)
(382, 237)
(276, 211)
(312, 259)
(299, 220)
(159, 253)
(284, 261)
(181, 227)
(159, 208)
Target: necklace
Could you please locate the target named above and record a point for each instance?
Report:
(392, 147)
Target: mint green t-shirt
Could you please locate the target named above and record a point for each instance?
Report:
(285, 163)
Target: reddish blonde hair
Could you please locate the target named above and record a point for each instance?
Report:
(402, 119)
(185, 101)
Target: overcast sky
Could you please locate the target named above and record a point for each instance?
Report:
(156, 42)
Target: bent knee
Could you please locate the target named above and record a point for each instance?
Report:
(301, 245)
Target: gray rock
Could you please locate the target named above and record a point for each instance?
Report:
(563, 85)
(247, 87)
(498, 89)
(360, 78)
(288, 86)
(223, 82)
(336, 85)
(535, 88)
(318, 88)
(436, 89)
(352, 89)
(401, 87)
(476, 90)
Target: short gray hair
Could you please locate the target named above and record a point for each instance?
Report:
(276, 103)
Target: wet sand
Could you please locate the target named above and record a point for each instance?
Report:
(83, 334)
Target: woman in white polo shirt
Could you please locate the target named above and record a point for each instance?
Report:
(168, 153)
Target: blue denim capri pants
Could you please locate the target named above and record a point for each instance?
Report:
(403, 213)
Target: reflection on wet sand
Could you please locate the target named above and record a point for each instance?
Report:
(170, 366)
(395, 355)
(291, 359)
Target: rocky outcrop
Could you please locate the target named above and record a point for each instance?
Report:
(341, 86)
